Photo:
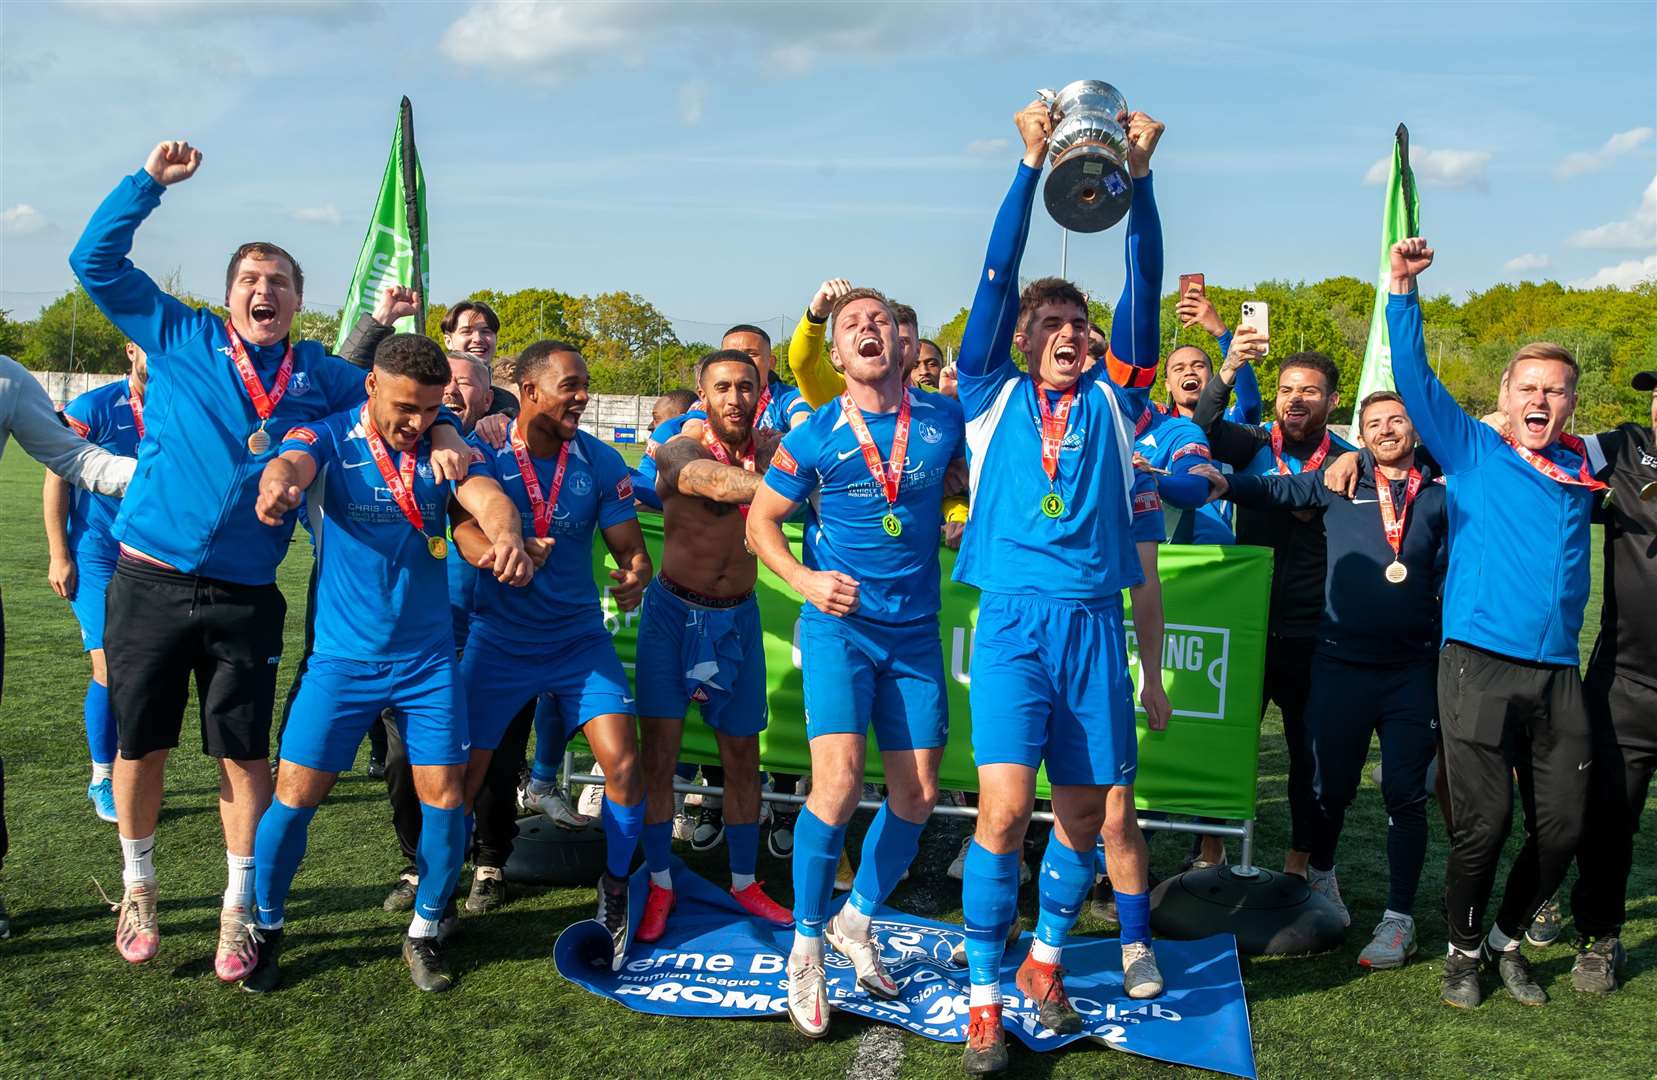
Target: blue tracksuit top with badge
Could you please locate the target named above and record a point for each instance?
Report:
(190, 504)
(562, 600)
(821, 461)
(1519, 540)
(103, 417)
(380, 594)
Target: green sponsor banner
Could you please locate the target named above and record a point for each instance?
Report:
(1214, 601)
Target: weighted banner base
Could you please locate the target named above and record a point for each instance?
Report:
(544, 854)
(1087, 192)
(1271, 914)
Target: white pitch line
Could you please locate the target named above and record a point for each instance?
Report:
(879, 1054)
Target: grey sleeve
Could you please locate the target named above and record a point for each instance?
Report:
(26, 413)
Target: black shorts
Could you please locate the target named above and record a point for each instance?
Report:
(162, 627)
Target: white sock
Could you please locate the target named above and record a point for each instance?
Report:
(984, 995)
(238, 890)
(1500, 941)
(853, 923)
(663, 879)
(138, 864)
(1457, 949)
(105, 771)
(419, 927)
(807, 950)
(1043, 953)
(741, 881)
(1391, 914)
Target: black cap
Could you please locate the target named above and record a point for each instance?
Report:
(1645, 380)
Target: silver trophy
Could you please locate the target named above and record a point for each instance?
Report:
(1088, 188)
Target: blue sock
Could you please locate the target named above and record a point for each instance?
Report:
(621, 835)
(742, 843)
(549, 742)
(658, 844)
(989, 901)
(278, 845)
(817, 847)
(1133, 910)
(1066, 876)
(100, 724)
(888, 848)
(442, 849)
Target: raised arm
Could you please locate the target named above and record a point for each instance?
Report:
(819, 383)
(395, 302)
(27, 413)
(1135, 333)
(987, 341)
(1456, 439)
(683, 467)
(133, 302)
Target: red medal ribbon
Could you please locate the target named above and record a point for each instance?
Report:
(136, 400)
(1310, 464)
(263, 403)
(889, 475)
(1393, 520)
(1054, 421)
(542, 507)
(1553, 472)
(721, 455)
(399, 480)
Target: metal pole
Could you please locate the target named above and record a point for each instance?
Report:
(74, 313)
(1245, 861)
(1064, 254)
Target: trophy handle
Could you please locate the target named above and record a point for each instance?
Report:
(1049, 96)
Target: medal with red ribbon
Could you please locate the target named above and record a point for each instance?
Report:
(399, 480)
(723, 456)
(542, 507)
(1055, 421)
(889, 475)
(136, 400)
(1583, 478)
(264, 403)
(1310, 464)
(1392, 520)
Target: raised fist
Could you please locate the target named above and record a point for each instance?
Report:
(1143, 134)
(827, 293)
(172, 161)
(1035, 127)
(396, 302)
(1410, 256)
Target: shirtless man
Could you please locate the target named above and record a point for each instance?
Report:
(699, 638)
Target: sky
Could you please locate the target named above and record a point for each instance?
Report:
(721, 159)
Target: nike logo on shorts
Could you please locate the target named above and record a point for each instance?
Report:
(1585, 764)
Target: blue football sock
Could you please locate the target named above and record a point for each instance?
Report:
(442, 849)
(888, 848)
(1133, 910)
(278, 845)
(1066, 876)
(989, 901)
(100, 724)
(549, 742)
(658, 845)
(742, 844)
(621, 835)
(817, 847)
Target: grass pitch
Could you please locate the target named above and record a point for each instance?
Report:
(69, 1006)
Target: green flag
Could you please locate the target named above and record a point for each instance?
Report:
(396, 232)
(1400, 218)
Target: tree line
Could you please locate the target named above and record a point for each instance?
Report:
(631, 347)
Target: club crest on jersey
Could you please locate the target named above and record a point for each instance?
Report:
(300, 385)
(580, 483)
(424, 469)
(929, 432)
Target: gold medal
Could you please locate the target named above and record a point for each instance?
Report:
(1052, 505)
(892, 525)
(1397, 572)
(438, 546)
(1649, 492)
(259, 441)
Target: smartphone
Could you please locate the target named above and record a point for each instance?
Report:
(1188, 280)
(1256, 314)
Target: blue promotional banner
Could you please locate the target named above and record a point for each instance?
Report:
(717, 961)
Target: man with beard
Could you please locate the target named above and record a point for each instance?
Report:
(194, 592)
(868, 632)
(699, 635)
(383, 636)
(929, 366)
(1373, 669)
(1298, 441)
(1509, 692)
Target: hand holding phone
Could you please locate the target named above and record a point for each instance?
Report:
(1256, 316)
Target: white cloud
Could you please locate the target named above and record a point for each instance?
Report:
(1624, 275)
(1439, 168)
(693, 101)
(1637, 232)
(326, 214)
(989, 147)
(21, 220)
(1616, 146)
(1519, 264)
